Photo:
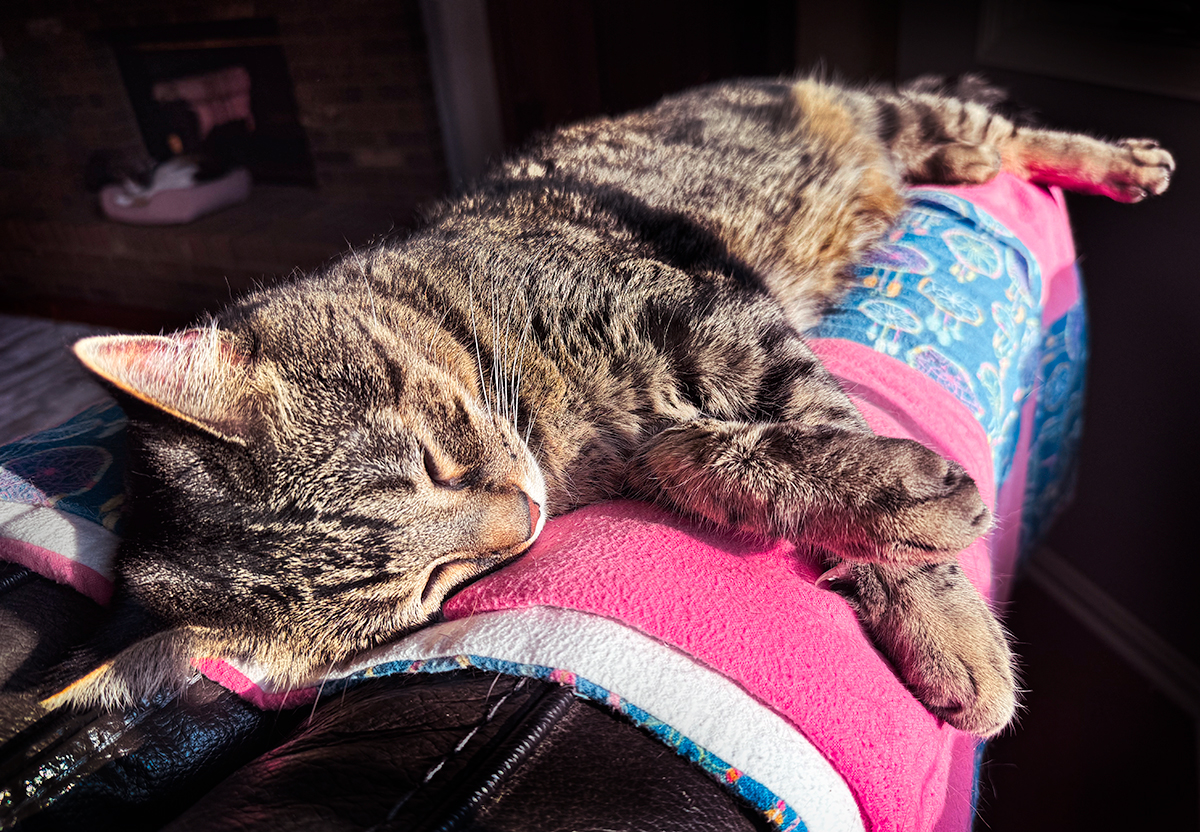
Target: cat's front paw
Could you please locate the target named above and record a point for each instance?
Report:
(942, 639)
(1141, 168)
(921, 508)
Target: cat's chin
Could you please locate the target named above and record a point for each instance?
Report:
(453, 573)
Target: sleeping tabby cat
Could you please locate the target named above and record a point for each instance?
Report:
(614, 311)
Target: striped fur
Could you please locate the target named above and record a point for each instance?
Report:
(614, 311)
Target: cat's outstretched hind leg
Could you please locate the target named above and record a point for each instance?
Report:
(1128, 170)
(938, 138)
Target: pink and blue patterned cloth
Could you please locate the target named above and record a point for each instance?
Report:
(955, 294)
(61, 494)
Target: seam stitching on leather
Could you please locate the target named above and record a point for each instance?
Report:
(434, 769)
(529, 728)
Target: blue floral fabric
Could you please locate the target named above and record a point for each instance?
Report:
(1057, 426)
(955, 295)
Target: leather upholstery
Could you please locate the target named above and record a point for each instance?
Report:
(457, 751)
(40, 620)
(134, 770)
(468, 751)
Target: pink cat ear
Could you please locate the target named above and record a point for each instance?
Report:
(196, 375)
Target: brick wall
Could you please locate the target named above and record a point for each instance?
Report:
(364, 97)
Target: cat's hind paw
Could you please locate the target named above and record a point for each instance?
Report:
(970, 687)
(1142, 169)
(940, 636)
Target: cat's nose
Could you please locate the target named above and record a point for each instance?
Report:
(535, 516)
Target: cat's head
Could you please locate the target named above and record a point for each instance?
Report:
(308, 482)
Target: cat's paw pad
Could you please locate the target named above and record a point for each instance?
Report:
(927, 508)
(1142, 168)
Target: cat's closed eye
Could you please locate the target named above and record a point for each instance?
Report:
(441, 475)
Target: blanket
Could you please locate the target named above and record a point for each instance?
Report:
(964, 331)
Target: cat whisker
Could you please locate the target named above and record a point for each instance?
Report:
(501, 357)
(320, 690)
(519, 367)
(491, 688)
(514, 365)
(529, 429)
(497, 392)
(497, 360)
(487, 404)
(287, 691)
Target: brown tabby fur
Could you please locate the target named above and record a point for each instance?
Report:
(614, 311)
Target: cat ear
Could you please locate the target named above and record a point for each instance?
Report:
(196, 375)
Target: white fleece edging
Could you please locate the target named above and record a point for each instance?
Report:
(74, 538)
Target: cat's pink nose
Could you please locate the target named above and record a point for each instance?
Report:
(535, 514)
